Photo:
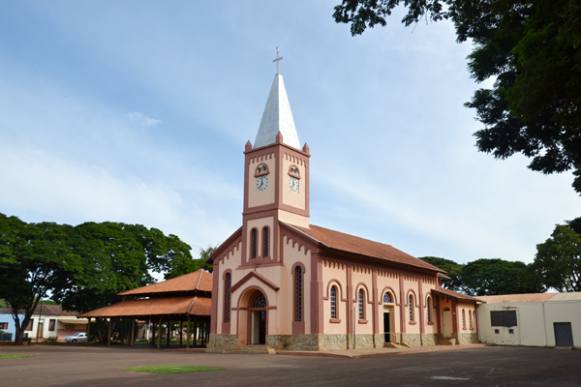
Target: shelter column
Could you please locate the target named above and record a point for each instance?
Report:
(188, 332)
(132, 333)
(109, 331)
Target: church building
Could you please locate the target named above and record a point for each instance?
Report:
(282, 282)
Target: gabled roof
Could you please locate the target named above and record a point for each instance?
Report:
(199, 280)
(348, 243)
(199, 306)
(45, 310)
(277, 117)
(455, 295)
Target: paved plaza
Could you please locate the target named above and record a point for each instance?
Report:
(100, 366)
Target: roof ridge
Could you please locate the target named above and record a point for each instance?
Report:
(356, 236)
(200, 272)
(298, 229)
(354, 244)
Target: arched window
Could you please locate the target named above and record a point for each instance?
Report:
(298, 293)
(387, 298)
(253, 243)
(470, 320)
(333, 300)
(259, 301)
(294, 171)
(430, 307)
(412, 310)
(464, 319)
(265, 241)
(361, 303)
(227, 296)
(261, 170)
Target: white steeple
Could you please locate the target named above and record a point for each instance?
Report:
(277, 117)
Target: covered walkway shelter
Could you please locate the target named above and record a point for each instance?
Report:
(172, 312)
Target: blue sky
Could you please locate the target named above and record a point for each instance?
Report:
(138, 111)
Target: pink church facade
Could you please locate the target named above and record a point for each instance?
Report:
(283, 282)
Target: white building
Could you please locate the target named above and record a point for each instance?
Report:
(53, 323)
(538, 319)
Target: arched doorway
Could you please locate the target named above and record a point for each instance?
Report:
(257, 314)
(447, 328)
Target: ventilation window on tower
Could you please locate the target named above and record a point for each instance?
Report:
(261, 170)
(294, 171)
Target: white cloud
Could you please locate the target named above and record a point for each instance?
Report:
(505, 215)
(143, 120)
(69, 159)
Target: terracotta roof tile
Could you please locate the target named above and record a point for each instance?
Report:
(353, 244)
(199, 306)
(46, 310)
(456, 295)
(198, 280)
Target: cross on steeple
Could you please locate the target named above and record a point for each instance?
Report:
(277, 59)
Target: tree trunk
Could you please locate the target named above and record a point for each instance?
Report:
(20, 326)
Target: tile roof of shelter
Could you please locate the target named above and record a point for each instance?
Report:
(199, 280)
(199, 306)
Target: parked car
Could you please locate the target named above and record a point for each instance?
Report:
(79, 337)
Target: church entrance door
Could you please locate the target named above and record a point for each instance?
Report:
(386, 328)
(447, 323)
(258, 319)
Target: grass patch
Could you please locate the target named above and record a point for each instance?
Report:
(13, 356)
(165, 369)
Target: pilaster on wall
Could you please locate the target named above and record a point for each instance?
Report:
(455, 318)
(375, 302)
(316, 294)
(214, 313)
(402, 302)
(421, 311)
(349, 310)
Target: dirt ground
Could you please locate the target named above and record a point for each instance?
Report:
(100, 366)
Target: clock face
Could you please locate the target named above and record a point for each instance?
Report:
(261, 183)
(293, 183)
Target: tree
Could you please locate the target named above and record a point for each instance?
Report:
(558, 260)
(575, 224)
(183, 265)
(453, 269)
(82, 267)
(484, 277)
(117, 257)
(531, 49)
(35, 260)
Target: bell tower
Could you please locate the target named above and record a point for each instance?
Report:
(276, 179)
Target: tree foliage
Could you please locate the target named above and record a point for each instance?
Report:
(82, 267)
(530, 49)
(558, 260)
(453, 270)
(489, 276)
(117, 257)
(35, 259)
(183, 265)
(484, 277)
